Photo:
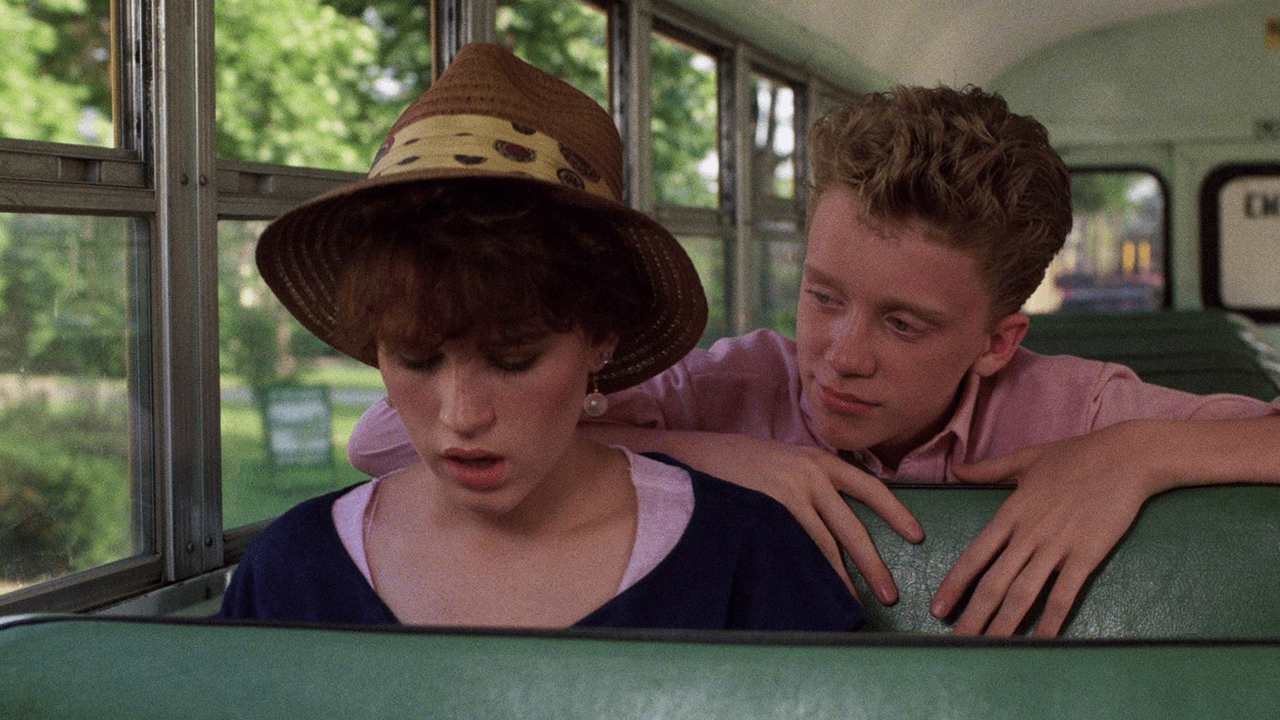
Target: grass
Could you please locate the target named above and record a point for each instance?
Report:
(252, 489)
(331, 372)
(342, 374)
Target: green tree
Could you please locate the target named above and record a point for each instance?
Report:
(685, 128)
(54, 83)
(562, 37)
(312, 83)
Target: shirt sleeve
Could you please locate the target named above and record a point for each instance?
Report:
(1120, 395)
(783, 582)
(379, 444)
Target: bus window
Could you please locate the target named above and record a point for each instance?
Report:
(777, 218)
(1114, 259)
(289, 402)
(1240, 221)
(686, 165)
(780, 265)
(708, 257)
(75, 485)
(316, 89)
(563, 37)
(774, 119)
(59, 77)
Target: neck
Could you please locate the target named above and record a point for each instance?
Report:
(891, 452)
(588, 483)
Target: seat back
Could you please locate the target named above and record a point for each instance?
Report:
(94, 668)
(1198, 563)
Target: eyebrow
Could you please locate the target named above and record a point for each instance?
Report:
(929, 315)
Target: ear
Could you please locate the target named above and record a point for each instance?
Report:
(608, 344)
(1003, 340)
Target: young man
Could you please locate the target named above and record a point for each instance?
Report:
(936, 213)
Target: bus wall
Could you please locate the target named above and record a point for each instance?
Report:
(1180, 93)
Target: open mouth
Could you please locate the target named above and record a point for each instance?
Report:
(474, 469)
(486, 461)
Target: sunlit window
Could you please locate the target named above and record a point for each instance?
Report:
(777, 226)
(774, 122)
(316, 83)
(289, 402)
(1114, 257)
(686, 164)
(71, 492)
(565, 38)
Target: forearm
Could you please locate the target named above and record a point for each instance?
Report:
(1182, 453)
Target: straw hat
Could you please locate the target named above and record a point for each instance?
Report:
(491, 115)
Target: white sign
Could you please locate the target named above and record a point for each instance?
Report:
(1249, 242)
(299, 426)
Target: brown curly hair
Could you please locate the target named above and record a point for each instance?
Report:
(971, 174)
(487, 258)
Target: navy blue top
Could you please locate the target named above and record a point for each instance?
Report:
(743, 563)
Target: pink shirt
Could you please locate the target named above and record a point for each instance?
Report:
(750, 385)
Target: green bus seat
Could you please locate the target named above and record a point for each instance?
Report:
(97, 668)
(1198, 563)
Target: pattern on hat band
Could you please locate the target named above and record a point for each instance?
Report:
(484, 144)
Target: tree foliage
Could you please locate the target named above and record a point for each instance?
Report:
(299, 82)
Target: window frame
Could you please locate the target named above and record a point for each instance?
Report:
(1166, 295)
(1211, 236)
(165, 170)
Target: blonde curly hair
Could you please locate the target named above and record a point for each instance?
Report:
(960, 166)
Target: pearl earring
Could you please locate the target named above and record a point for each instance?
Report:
(595, 404)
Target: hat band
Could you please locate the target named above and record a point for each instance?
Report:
(484, 145)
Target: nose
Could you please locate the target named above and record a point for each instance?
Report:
(466, 404)
(852, 352)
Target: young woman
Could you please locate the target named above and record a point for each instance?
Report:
(489, 270)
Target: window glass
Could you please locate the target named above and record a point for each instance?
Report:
(686, 164)
(1114, 257)
(289, 402)
(316, 82)
(68, 495)
(773, 163)
(780, 266)
(708, 258)
(56, 80)
(565, 38)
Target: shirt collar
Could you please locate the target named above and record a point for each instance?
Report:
(957, 427)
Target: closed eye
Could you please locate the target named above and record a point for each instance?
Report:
(515, 363)
(418, 363)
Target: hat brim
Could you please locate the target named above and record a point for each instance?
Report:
(301, 255)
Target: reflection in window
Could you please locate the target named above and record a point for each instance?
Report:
(708, 258)
(316, 82)
(562, 37)
(289, 401)
(56, 80)
(1114, 257)
(67, 489)
(686, 166)
(773, 163)
(780, 268)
